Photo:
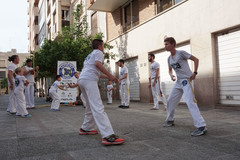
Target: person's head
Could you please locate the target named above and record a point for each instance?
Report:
(170, 43)
(151, 57)
(14, 59)
(29, 62)
(121, 63)
(76, 74)
(58, 78)
(98, 44)
(19, 71)
(109, 82)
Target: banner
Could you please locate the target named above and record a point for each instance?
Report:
(66, 70)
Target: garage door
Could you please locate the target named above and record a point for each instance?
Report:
(228, 64)
(134, 87)
(166, 83)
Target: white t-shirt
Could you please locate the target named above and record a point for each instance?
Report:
(153, 68)
(109, 87)
(90, 71)
(123, 71)
(29, 76)
(19, 83)
(180, 64)
(12, 68)
(54, 86)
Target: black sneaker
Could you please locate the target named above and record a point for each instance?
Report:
(199, 131)
(125, 107)
(120, 106)
(168, 124)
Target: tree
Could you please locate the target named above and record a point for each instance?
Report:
(4, 84)
(73, 44)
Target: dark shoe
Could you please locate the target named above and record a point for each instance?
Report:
(199, 131)
(168, 124)
(84, 132)
(125, 107)
(120, 106)
(112, 140)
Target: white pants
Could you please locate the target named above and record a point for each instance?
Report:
(29, 94)
(20, 103)
(124, 93)
(83, 100)
(157, 94)
(184, 87)
(55, 99)
(12, 102)
(94, 111)
(109, 96)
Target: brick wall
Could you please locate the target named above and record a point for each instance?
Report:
(146, 10)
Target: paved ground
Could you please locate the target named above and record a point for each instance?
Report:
(54, 135)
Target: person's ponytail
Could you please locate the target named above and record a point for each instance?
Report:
(12, 58)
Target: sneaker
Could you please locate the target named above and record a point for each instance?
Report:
(125, 107)
(26, 116)
(83, 132)
(168, 124)
(112, 140)
(154, 109)
(120, 106)
(199, 131)
(12, 112)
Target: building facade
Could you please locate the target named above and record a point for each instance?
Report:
(209, 29)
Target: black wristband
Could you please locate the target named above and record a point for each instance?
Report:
(195, 73)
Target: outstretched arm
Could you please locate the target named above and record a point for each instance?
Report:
(103, 70)
(196, 62)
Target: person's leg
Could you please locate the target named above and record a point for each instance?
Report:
(55, 102)
(97, 108)
(12, 102)
(154, 93)
(122, 87)
(173, 101)
(27, 95)
(21, 104)
(192, 104)
(127, 95)
(160, 94)
(110, 97)
(31, 96)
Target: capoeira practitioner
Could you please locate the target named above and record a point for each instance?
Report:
(30, 74)
(88, 82)
(109, 92)
(155, 83)
(11, 83)
(124, 85)
(20, 81)
(178, 61)
(77, 75)
(54, 95)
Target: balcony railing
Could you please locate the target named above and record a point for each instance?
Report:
(106, 5)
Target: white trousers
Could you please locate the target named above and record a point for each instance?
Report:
(94, 111)
(83, 99)
(109, 96)
(55, 99)
(124, 93)
(157, 94)
(29, 94)
(184, 87)
(12, 102)
(20, 103)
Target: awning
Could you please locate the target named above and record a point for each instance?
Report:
(106, 5)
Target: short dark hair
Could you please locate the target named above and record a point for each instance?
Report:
(152, 55)
(121, 60)
(12, 58)
(170, 40)
(58, 76)
(96, 43)
(28, 60)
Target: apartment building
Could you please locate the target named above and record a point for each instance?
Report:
(208, 29)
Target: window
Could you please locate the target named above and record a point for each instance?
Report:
(165, 4)
(130, 15)
(94, 24)
(2, 64)
(65, 18)
(2, 74)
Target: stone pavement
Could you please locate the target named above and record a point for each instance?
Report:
(52, 135)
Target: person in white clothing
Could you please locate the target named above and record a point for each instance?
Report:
(11, 81)
(30, 74)
(94, 111)
(109, 92)
(124, 85)
(178, 61)
(54, 95)
(155, 83)
(20, 82)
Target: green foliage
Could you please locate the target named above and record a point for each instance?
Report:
(4, 84)
(73, 44)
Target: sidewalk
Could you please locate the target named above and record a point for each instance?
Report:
(54, 135)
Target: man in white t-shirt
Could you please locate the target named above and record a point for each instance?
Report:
(155, 83)
(30, 75)
(178, 60)
(124, 85)
(94, 111)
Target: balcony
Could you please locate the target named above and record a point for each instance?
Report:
(35, 11)
(36, 2)
(106, 5)
(36, 30)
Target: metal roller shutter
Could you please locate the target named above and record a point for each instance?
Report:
(166, 83)
(228, 65)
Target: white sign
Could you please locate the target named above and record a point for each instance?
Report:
(66, 70)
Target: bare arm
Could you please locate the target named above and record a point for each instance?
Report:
(72, 86)
(10, 79)
(196, 62)
(104, 76)
(103, 69)
(36, 73)
(171, 74)
(61, 87)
